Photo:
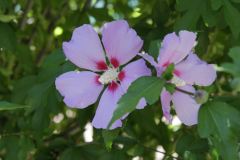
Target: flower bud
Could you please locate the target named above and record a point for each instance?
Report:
(201, 96)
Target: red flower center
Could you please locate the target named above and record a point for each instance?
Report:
(112, 86)
(101, 65)
(114, 62)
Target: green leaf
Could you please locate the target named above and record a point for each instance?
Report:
(234, 53)
(91, 152)
(168, 73)
(6, 18)
(136, 150)
(230, 13)
(170, 87)
(21, 88)
(216, 4)
(190, 143)
(11, 146)
(4, 4)
(147, 87)
(23, 55)
(55, 59)
(234, 67)
(192, 14)
(10, 106)
(154, 48)
(7, 38)
(235, 84)
(109, 136)
(26, 146)
(218, 122)
(236, 1)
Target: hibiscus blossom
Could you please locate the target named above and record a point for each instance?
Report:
(189, 70)
(81, 89)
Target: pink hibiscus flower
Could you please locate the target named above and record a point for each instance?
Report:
(189, 70)
(81, 89)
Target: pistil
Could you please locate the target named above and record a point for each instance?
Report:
(108, 76)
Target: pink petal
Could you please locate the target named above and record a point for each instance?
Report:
(148, 58)
(169, 44)
(195, 71)
(151, 60)
(166, 102)
(120, 41)
(79, 89)
(141, 104)
(85, 49)
(106, 107)
(133, 71)
(185, 105)
(175, 48)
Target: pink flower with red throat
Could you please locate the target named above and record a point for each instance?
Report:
(189, 70)
(81, 89)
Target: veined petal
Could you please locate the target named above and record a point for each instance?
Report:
(195, 71)
(133, 71)
(185, 105)
(106, 107)
(148, 58)
(175, 48)
(166, 102)
(121, 42)
(85, 49)
(167, 51)
(79, 89)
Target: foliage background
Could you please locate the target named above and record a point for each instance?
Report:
(35, 124)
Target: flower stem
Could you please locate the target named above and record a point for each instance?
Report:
(186, 92)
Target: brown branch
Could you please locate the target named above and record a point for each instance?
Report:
(23, 21)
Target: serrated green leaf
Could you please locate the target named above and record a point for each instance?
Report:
(4, 105)
(147, 87)
(216, 122)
